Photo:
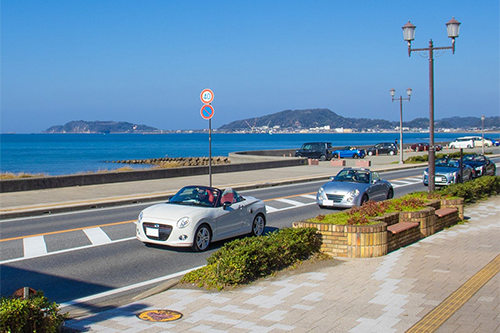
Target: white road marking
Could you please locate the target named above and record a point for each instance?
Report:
(34, 246)
(84, 300)
(291, 202)
(309, 196)
(8, 261)
(271, 209)
(97, 236)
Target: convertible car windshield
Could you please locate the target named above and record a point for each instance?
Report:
(353, 176)
(205, 196)
(442, 162)
(196, 196)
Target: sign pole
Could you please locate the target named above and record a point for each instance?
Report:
(210, 150)
(207, 112)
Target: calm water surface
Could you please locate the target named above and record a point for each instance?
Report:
(57, 154)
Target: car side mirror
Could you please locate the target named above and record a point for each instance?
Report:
(332, 178)
(226, 204)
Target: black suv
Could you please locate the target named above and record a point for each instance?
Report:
(319, 150)
(389, 148)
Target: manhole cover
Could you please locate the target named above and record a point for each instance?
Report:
(159, 315)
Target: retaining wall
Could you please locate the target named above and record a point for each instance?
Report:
(38, 183)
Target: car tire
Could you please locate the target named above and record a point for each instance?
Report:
(391, 152)
(370, 153)
(355, 156)
(390, 194)
(335, 155)
(321, 206)
(202, 238)
(258, 225)
(469, 147)
(363, 199)
(322, 158)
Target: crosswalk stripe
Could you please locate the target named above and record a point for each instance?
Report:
(291, 202)
(309, 196)
(34, 246)
(402, 182)
(97, 236)
(270, 209)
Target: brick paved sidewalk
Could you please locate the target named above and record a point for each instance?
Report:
(386, 294)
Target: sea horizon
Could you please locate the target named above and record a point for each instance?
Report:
(62, 154)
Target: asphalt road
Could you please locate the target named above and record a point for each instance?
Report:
(118, 267)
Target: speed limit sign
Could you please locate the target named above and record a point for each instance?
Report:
(207, 96)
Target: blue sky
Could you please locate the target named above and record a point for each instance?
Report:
(146, 62)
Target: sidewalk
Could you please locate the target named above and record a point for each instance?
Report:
(387, 294)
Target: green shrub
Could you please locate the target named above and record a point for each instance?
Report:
(33, 314)
(474, 190)
(244, 260)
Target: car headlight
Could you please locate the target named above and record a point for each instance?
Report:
(321, 193)
(426, 172)
(354, 193)
(351, 195)
(139, 219)
(183, 222)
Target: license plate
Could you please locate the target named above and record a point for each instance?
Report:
(153, 232)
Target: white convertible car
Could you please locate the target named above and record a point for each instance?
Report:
(198, 215)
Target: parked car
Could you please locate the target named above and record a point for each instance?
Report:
(478, 142)
(318, 150)
(353, 187)
(198, 215)
(494, 142)
(389, 148)
(468, 142)
(480, 165)
(424, 146)
(351, 152)
(447, 171)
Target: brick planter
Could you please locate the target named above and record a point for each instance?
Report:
(457, 203)
(351, 241)
(369, 241)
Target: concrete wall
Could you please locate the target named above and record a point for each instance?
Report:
(38, 183)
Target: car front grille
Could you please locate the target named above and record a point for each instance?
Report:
(440, 179)
(164, 230)
(335, 197)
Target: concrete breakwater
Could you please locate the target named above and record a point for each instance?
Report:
(178, 161)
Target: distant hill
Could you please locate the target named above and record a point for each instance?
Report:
(312, 118)
(80, 126)
(308, 118)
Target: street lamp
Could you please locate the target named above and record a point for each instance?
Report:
(482, 121)
(401, 99)
(452, 27)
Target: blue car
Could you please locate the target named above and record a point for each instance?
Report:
(349, 152)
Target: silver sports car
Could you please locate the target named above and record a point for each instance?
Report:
(198, 215)
(353, 187)
(447, 171)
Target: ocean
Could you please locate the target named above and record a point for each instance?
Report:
(62, 154)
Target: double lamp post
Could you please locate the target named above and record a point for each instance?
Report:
(452, 27)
